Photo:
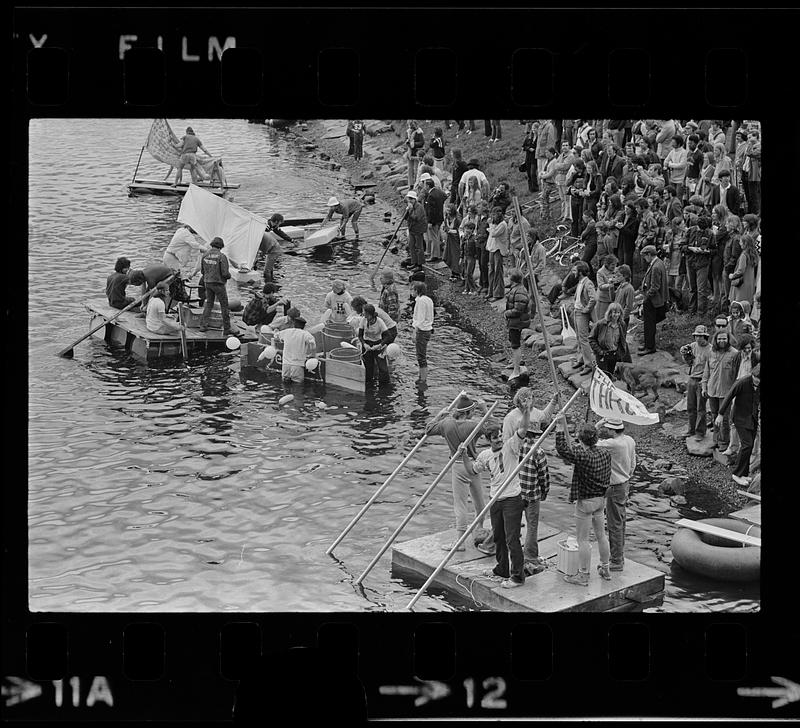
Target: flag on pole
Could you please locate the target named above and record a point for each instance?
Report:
(162, 143)
(611, 402)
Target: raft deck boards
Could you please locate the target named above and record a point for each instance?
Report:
(162, 186)
(717, 531)
(751, 514)
(748, 494)
(633, 589)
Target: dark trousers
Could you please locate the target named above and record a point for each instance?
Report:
(483, 266)
(531, 171)
(497, 286)
(269, 267)
(421, 345)
(616, 498)
(650, 314)
(416, 249)
(746, 437)
(627, 244)
(531, 549)
(589, 251)
(373, 362)
(358, 146)
(698, 286)
(576, 205)
(219, 292)
(754, 197)
(696, 407)
(506, 517)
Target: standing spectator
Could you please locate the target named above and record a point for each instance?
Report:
(594, 186)
(529, 148)
(506, 511)
(415, 141)
(676, 164)
(673, 241)
(622, 449)
(545, 139)
(434, 211)
(593, 143)
(739, 178)
(666, 131)
(625, 295)
(473, 194)
(518, 317)
(673, 204)
(455, 426)
(452, 246)
(371, 330)
(459, 167)
(613, 218)
(437, 148)
(417, 226)
(469, 254)
(389, 299)
(589, 239)
(215, 275)
(744, 275)
(704, 187)
(567, 134)
(497, 247)
(751, 167)
(648, 226)
(696, 355)
(715, 133)
(548, 176)
(501, 197)
(656, 295)
(563, 162)
(349, 133)
(628, 232)
(481, 239)
(474, 170)
(608, 339)
(745, 415)
(698, 251)
(721, 163)
(422, 323)
(496, 130)
(358, 139)
(726, 194)
(590, 481)
(611, 163)
(617, 127)
(743, 365)
(719, 375)
(606, 279)
(719, 236)
(694, 163)
(576, 183)
(585, 299)
(739, 323)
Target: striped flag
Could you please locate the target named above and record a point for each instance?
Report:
(162, 143)
(611, 402)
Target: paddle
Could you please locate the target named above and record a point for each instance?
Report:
(388, 245)
(68, 351)
(184, 347)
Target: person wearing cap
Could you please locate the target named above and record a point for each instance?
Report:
(187, 149)
(417, 221)
(500, 460)
(745, 395)
(350, 211)
(455, 425)
(156, 319)
(216, 273)
(590, 480)
(337, 303)
(622, 449)
(298, 345)
(181, 248)
(474, 170)
(696, 355)
(656, 294)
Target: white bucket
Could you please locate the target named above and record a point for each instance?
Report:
(568, 557)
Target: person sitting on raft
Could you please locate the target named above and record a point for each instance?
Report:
(117, 282)
(156, 319)
(350, 210)
(149, 277)
(337, 303)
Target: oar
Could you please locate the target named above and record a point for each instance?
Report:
(184, 347)
(68, 353)
(388, 245)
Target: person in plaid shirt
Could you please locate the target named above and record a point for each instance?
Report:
(590, 480)
(534, 481)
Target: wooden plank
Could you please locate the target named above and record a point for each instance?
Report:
(721, 532)
(754, 496)
(751, 514)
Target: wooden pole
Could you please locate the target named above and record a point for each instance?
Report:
(388, 245)
(133, 179)
(479, 518)
(184, 346)
(385, 484)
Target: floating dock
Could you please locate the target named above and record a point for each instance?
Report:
(129, 331)
(162, 187)
(632, 590)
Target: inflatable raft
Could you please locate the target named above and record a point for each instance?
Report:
(716, 557)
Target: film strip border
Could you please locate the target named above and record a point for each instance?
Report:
(182, 667)
(319, 62)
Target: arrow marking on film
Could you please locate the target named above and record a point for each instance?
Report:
(429, 690)
(789, 692)
(19, 690)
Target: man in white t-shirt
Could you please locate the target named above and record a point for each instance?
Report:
(180, 250)
(422, 323)
(622, 448)
(298, 344)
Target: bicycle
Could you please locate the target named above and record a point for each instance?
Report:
(576, 248)
(555, 245)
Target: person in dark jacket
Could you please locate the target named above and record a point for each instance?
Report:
(481, 238)
(116, 284)
(518, 317)
(459, 167)
(530, 164)
(656, 294)
(417, 227)
(626, 242)
(607, 340)
(746, 394)
(216, 273)
(698, 248)
(434, 210)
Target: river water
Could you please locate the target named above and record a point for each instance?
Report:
(187, 488)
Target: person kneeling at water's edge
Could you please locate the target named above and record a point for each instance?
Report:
(506, 512)
(455, 426)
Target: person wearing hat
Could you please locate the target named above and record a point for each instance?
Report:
(656, 295)
(474, 170)
(455, 425)
(417, 221)
(156, 319)
(216, 273)
(622, 448)
(187, 149)
(181, 248)
(696, 355)
(349, 209)
(298, 345)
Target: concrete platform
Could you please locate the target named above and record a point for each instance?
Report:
(631, 590)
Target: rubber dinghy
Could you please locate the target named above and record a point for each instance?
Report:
(716, 557)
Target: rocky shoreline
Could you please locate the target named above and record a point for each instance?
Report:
(700, 480)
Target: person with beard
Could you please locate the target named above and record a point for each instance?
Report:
(745, 394)
(719, 374)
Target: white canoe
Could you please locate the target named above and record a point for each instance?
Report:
(315, 237)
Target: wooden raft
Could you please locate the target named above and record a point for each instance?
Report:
(751, 514)
(631, 590)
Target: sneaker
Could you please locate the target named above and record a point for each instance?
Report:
(489, 549)
(510, 583)
(579, 579)
(689, 433)
(533, 567)
(449, 546)
(489, 574)
(741, 480)
(603, 570)
(729, 452)
(616, 567)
